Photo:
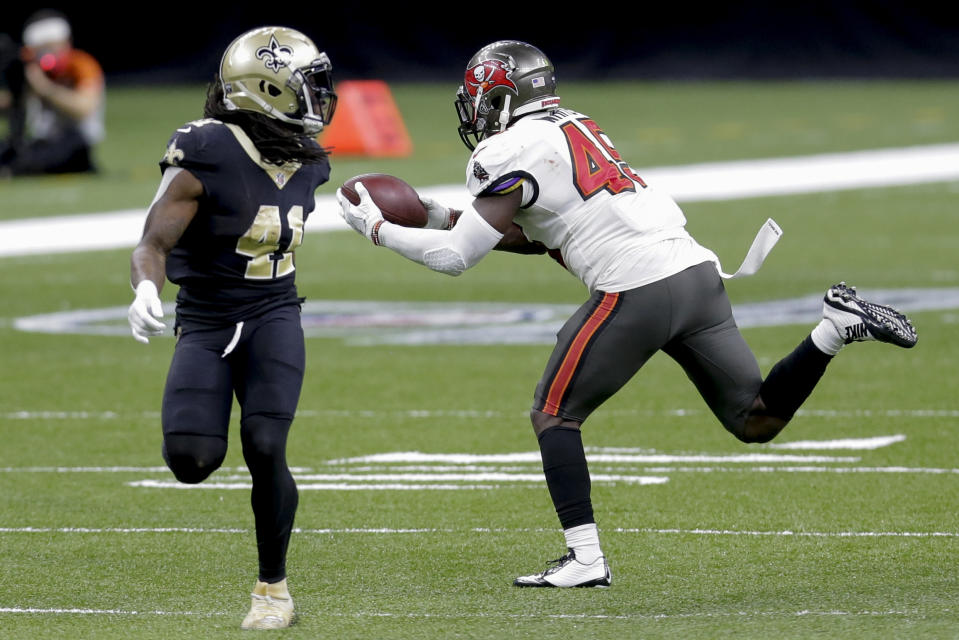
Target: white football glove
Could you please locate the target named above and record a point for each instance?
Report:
(440, 217)
(365, 216)
(145, 312)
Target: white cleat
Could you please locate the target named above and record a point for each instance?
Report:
(857, 320)
(272, 607)
(570, 572)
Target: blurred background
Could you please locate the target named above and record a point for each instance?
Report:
(182, 42)
(688, 82)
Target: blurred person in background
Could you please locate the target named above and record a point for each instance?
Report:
(54, 100)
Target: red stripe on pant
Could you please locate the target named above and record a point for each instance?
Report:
(566, 369)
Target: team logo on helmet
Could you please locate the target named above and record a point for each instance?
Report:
(276, 55)
(488, 74)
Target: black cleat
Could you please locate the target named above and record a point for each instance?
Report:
(857, 320)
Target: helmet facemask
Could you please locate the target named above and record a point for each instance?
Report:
(481, 116)
(316, 99)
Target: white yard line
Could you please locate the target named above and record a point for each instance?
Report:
(475, 476)
(315, 486)
(800, 469)
(472, 414)
(107, 612)
(689, 183)
(796, 534)
(117, 469)
(857, 444)
(786, 533)
(400, 482)
(467, 482)
(533, 457)
(625, 616)
(507, 473)
(477, 615)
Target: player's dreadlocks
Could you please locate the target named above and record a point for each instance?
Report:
(276, 141)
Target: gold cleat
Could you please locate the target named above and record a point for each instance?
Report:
(272, 607)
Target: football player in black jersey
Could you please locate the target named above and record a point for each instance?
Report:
(235, 191)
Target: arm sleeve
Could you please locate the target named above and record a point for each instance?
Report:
(168, 175)
(451, 252)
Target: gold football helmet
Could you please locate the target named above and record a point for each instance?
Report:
(280, 73)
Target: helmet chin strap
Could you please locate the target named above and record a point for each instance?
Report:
(312, 124)
(476, 102)
(504, 113)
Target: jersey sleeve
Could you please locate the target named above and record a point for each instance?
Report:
(503, 164)
(194, 147)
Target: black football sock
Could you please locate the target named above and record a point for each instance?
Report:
(274, 497)
(564, 464)
(792, 379)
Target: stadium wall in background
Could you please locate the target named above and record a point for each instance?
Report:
(178, 42)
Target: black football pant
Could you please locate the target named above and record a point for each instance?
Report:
(261, 361)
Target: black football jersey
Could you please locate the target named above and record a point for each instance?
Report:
(235, 259)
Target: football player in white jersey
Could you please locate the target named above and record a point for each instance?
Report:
(547, 177)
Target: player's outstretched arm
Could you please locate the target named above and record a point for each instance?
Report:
(477, 231)
(169, 216)
(439, 216)
(513, 241)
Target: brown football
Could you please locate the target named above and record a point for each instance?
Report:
(397, 200)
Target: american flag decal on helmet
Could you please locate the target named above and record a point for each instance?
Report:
(539, 82)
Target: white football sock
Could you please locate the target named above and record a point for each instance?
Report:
(584, 540)
(826, 338)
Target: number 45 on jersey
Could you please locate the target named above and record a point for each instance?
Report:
(597, 166)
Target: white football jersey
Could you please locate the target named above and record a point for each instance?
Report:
(613, 230)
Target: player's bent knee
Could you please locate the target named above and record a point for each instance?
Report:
(755, 425)
(543, 421)
(192, 458)
(759, 429)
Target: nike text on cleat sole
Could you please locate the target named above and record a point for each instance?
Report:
(857, 320)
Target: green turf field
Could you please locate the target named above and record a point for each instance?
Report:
(800, 543)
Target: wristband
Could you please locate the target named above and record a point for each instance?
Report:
(375, 232)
